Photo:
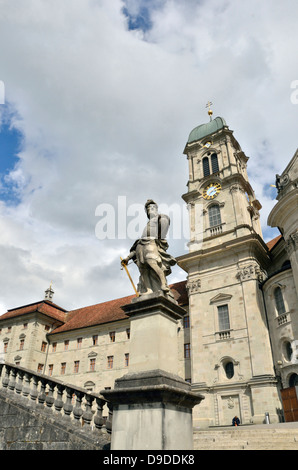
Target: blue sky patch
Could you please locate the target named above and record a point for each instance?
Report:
(10, 145)
(140, 21)
(139, 14)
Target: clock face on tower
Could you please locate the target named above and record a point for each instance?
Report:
(211, 191)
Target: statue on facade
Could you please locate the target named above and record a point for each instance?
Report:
(150, 252)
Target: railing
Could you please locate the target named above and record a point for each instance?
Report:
(213, 231)
(58, 396)
(282, 318)
(221, 335)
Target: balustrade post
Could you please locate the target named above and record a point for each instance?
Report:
(110, 418)
(77, 411)
(33, 391)
(59, 401)
(19, 384)
(98, 419)
(88, 415)
(27, 380)
(68, 407)
(12, 379)
(50, 396)
(5, 380)
(42, 394)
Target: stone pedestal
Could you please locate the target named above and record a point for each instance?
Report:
(152, 405)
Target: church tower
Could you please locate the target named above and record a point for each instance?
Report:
(231, 358)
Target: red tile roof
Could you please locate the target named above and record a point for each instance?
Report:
(273, 242)
(95, 315)
(44, 306)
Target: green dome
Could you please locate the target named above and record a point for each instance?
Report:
(206, 129)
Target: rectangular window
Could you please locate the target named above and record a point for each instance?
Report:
(47, 327)
(92, 365)
(126, 359)
(79, 343)
(5, 347)
(43, 346)
(66, 344)
(76, 367)
(112, 336)
(128, 333)
(40, 368)
(22, 344)
(25, 326)
(95, 340)
(63, 368)
(110, 362)
(9, 329)
(186, 321)
(51, 368)
(187, 350)
(54, 347)
(214, 215)
(223, 317)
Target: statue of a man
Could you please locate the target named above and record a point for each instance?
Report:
(150, 252)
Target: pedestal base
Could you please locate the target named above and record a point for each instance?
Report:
(152, 410)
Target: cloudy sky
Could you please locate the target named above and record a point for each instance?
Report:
(100, 97)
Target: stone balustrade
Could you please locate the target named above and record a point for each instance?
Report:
(74, 403)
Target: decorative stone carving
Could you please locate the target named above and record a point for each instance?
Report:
(231, 403)
(281, 181)
(193, 286)
(251, 271)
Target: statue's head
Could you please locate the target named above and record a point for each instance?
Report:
(150, 207)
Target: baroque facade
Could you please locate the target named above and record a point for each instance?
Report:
(238, 341)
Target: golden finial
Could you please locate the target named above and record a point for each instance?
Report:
(210, 112)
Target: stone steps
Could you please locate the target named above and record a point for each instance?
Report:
(247, 438)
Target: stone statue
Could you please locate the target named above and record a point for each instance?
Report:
(150, 252)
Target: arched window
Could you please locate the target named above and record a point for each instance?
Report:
(214, 163)
(206, 168)
(279, 301)
(229, 370)
(214, 215)
(288, 350)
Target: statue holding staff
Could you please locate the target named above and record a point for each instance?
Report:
(150, 252)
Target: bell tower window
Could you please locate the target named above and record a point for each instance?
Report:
(206, 167)
(210, 162)
(214, 163)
